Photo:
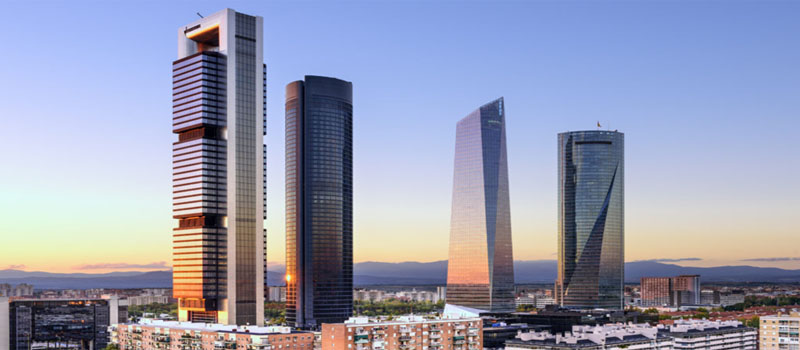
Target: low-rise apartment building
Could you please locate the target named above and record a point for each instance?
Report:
(610, 336)
(404, 333)
(688, 334)
(711, 335)
(781, 331)
(171, 335)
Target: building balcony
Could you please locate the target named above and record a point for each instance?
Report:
(404, 338)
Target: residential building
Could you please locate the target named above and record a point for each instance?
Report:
(277, 294)
(66, 323)
(404, 333)
(319, 201)
(683, 334)
(441, 292)
(731, 298)
(219, 115)
(670, 291)
(709, 297)
(711, 335)
(780, 332)
(368, 295)
(542, 301)
(656, 291)
(480, 271)
(148, 299)
(528, 299)
(591, 213)
(686, 290)
(150, 334)
(418, 296)
(616, 336)
(20, 290)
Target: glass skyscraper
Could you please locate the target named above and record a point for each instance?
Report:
(219, 114)
(591, 219)
(480, 270)
(319, 201)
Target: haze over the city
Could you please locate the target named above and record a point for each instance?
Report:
(705, 92)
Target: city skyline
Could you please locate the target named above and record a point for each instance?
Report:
(715, 129)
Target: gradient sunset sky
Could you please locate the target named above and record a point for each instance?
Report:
(707, 94)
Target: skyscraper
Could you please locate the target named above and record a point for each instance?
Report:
(319, 201)
(591, 219)
(480, 270)
(219, 115)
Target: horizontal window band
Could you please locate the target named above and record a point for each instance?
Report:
(593, 142)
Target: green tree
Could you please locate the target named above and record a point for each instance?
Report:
(753, 322)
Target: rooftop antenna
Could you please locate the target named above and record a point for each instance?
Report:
(201, 16)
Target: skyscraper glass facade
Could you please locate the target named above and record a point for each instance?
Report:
(591, 212)
(480, 270)
(218, 164)
(319, 201)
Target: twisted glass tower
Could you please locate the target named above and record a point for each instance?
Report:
(591, 219)
(480, 270)
(319, 201)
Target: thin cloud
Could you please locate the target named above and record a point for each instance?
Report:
(672, 260)
(16, 267)
(123, 266)
(773, 259)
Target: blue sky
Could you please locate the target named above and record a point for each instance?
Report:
(705, 91)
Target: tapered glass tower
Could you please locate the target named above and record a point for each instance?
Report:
(480, 271)
(591, 219)
(218, 161)
(319, 201)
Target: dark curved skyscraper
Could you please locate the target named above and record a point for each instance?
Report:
(319, 201)
(591, 215)
(480, 270)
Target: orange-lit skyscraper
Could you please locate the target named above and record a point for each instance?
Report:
(480, 270)
(218, 161)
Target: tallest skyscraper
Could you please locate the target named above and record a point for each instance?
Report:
(480, 270)
(219, 114)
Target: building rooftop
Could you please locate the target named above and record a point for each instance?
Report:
(591, 336)
(213, 327)
(694, 327)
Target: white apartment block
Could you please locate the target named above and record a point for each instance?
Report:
(711, 335)
(684, 334)
(611, 336)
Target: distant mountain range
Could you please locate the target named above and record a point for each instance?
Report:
(405, 273)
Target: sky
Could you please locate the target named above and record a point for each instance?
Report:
(706, 93)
